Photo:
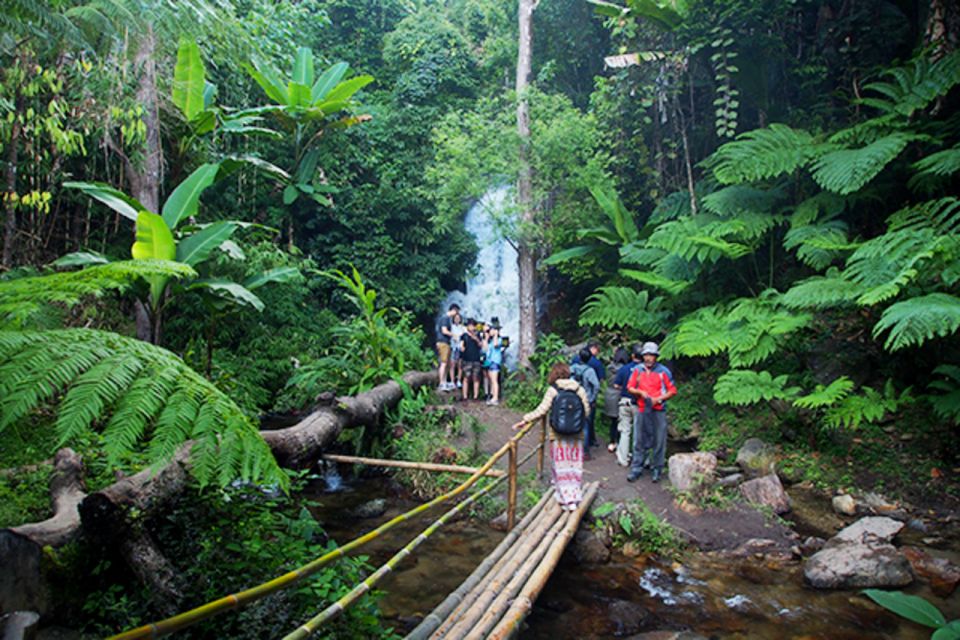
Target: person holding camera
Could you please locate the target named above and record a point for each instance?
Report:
(471, 353)
(493, 360)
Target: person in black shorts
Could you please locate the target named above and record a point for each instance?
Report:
(471, 357)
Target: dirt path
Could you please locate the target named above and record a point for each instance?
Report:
(710, 529)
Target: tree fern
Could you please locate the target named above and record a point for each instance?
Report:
(947, 403)
(915, 85)
(828, 395)
(821, 292)
(818, 245)
(701, 333)
(762, 154)
(887, 263)
(143, 399)
(653, 279)
(940, 216)
(846, 171)
(867, 406)
(623, 307)
(24, 299)
(696, 238)
(914, 321)
(736, 199)
(935, 166)
(743, 387)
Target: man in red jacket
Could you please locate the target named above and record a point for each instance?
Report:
(651, 384)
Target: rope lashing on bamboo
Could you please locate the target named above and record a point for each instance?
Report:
(210, 609)
(338, 607)
(436, 617)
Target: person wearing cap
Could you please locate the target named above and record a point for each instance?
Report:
(493, 359)
(651, 384)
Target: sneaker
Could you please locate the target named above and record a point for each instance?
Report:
(633, 475)
(655, 476)
(586, 455)
(611, 447)
(459, 384)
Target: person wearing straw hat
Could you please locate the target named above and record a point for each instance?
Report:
(651, 384)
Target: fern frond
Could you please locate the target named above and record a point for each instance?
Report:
(763, 153)
(914, 321)
(946, 404)
(940, 164)
(701, 333)
(623, 307)
(825, 396)
(693, 239)
(654, 279)
(845, 171)
(915, 85)
(756, 326)
(821, 292)
(146, 397)
(940, 216)
(22, 299)
(743, 387)
(868, 406)
(733, 200)
(818, 245)
(640, 254)
(887, 263)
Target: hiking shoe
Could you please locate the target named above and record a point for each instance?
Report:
(632, 477)
(655, 476)
(611, 447)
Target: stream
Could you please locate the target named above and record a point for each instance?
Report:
(711, 594)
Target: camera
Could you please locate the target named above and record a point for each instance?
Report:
(504, 341)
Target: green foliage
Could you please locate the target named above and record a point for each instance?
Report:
(868, 407)
(525, 390)
(762, 154)
(916, 609)
(915, 85)
(825, 396)
(654, 535)
(946, 404)
(846, 171)
(914, 321)
(24, 300)
(140, 397)
(742, 387)
(623, 307)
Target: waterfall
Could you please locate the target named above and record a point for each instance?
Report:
(493, 288)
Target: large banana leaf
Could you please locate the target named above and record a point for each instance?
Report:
(115, 199)
(269, 81)
(197, 247)
(279, 274)
(347, 88)
(328, 80)
(303, 66)
(298, 95)
(185, 199)
(154, 242)
(566, 255)
(189, 82)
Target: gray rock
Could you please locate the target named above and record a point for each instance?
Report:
(731, 480)
(19, 625)
(588, 548)
(855, 566)
(757, 458)
(844, 505)
(372, 509)
(626, 617)
(870, 530)
(811, 545)
(500, 522)
(767, 491)
(692, 471)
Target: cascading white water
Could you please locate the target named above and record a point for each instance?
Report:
(494, 288)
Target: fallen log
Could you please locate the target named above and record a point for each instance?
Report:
(103, 516)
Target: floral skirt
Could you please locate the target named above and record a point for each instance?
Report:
(567, 456)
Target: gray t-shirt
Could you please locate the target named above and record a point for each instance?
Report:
(445, 321)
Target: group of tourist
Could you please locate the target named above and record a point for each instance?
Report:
(470, 355)
(635, 402)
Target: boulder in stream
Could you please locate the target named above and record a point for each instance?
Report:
(942, 574)
(757, 458)
(589, 548)
(372, 508)
(860, 556)
(844, 504)
(767, 491)
(626, 617)
(692, 471)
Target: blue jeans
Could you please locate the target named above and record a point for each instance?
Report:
(588, 430)
(649, 435)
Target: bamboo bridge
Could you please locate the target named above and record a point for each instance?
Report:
(491, 603)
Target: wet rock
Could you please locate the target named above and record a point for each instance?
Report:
(372, 509)
(767, 491)
(727, 471)
(868, 530)
(588, 548)
(500, 522)
(811, 545)
(851, 565)
(626, 617)
(692, 471)
(876, 503)
(668, 635)
(731, 480)
(845, 505)
(632, 549)
(757, 458)
(19, 625)
(918, 525)
(942, 574)
(556, 606)
(754, 546)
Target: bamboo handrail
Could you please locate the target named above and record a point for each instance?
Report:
(340, 605)
(436, 617)
(512, 491)
(543, 445)
(210, 609)
(409, 464)
(522, 604)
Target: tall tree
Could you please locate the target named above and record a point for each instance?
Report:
(525, 248)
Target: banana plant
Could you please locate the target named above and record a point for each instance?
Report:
(157, 237)
(306, 104)
(618, 230)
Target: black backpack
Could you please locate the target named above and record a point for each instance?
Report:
(566, 414)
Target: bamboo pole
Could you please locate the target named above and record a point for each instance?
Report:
(409, 464)
(502, 602)
(433, 620)
(338, 607)
(510, 623)
(512, 487)
(492, 588)
(210, 609)
(543, 445)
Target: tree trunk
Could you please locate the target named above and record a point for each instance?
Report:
(10, 224)
(525, 245)
(66, 493)
(145, 180)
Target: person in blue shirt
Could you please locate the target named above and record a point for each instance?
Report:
(594, 363)
(627, 406)
(493, 350)
(612, 395)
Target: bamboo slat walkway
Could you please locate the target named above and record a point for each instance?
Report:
(493, 601)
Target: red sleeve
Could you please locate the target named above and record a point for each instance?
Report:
(668, 384)
(632, 382)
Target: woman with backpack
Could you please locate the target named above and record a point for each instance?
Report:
(568, 406)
